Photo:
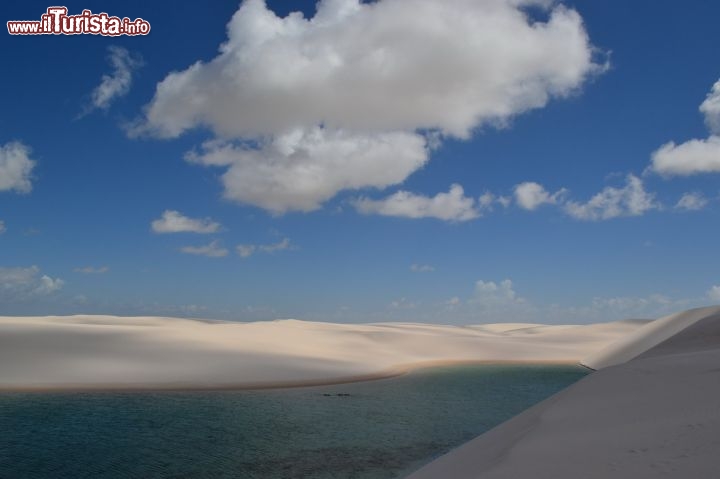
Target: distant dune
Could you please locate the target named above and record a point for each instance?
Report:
(108, 352)
(652, 410)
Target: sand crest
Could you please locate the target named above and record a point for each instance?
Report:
(646, 338)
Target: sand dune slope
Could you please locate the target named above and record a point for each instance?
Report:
(647, 337)
(153, 352)
(657, 415)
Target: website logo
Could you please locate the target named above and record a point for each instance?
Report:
(56, 21)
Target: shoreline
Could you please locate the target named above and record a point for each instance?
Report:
(391, 373)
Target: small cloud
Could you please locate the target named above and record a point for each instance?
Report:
(630, 200)
(711, 109)
(691, 202)
(452, 303)
(421, 268)
(489, 292)
(714, 293)
(3, 229)
(22, 284)
(116, 84)
(690, 158)
(491, 301)
(434, 140)
(450, 206)
(49, 285)
(403, 303)
(16, 167)
(486, 200)
(698, 155)
(271, 248)
(531, 195)
(92, 270)
(504, 201)
(247, 250)
(628, 306)
(80, 299)
(173, 221)
(211, 250)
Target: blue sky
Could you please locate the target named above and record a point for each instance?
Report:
(308, 170)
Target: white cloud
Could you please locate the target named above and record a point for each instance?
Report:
(389, 65)
(280, 246)
(691, 202)
(453, 303)
(421, 268)
(450, 206)
(173, 221)
(626, 307)
(630, 200)
(247, 250)
(627, 304)
(504, 201)
(711, 109)
(491, 302)
(3, 229)
(714, 293)
(650, 306)
(21, 284)
(694, 156)
(117, 83)
(500, 302)
(487, 200)
(92, 270)
(49, 285)
(689, 158)
(350, 87)
(211, 250)
(300, 170)
(531, 195)
(403, 303)
(15, 167)
(489, 292)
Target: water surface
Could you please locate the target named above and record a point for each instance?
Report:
(371, 430)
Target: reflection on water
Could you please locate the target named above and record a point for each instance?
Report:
(371, 430)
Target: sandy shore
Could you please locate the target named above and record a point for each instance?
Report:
(652, 410)
(107, 352)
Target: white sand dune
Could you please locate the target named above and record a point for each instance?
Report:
(645, 338)
(655, 416)
(151, 352)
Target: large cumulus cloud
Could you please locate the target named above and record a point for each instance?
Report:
(374, 74)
